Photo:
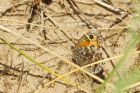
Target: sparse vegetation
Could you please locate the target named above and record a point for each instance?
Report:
(69, 46)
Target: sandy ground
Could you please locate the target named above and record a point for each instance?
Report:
(19, 75)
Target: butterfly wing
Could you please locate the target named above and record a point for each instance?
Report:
(84, 42)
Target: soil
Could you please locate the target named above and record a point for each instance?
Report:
(57, 26)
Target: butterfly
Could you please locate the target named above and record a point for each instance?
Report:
(87, 40)
(87, 50)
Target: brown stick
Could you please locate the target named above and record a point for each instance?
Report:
(119, 19)
(109, 7)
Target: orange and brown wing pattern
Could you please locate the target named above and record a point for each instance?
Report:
(89, 40)
(83, 44)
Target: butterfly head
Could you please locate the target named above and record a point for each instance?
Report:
(89, 39)
(93, 39)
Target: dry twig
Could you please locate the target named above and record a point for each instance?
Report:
(109, 7)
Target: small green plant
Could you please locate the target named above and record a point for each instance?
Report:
(129, 77)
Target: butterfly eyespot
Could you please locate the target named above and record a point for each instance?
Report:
(91, 36)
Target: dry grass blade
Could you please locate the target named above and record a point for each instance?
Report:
(132, 86)
(101, 61)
